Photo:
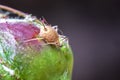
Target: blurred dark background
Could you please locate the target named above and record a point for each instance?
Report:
(93, 27)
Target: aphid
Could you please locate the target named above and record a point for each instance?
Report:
(50, 35)
(47, 34)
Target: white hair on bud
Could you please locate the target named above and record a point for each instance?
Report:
(11, 72)
(55, 27)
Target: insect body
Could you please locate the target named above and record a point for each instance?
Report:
(50, 35)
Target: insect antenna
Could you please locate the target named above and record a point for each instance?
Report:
(13, 10)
